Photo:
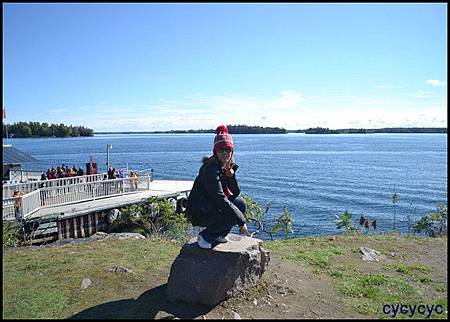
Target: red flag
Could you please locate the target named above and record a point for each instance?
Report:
(4, 113)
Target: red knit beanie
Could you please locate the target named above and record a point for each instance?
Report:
(223, 139)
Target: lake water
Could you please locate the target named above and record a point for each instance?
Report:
(314, 176)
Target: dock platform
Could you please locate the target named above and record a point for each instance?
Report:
(81, 209)
(159, 188)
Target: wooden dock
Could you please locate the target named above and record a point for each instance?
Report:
(80, 210)
(159, 188)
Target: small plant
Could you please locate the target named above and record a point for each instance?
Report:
(255, 214)
(345, 222)
(409, 216)
(283, 222)
(423, 224)
(365, 223)
(394, 203)
(433, 224)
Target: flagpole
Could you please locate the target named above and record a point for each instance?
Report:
(6, 125)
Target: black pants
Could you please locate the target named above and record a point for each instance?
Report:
(222, 224)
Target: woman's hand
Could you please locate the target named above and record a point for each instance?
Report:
(229, 172)
(243, 229)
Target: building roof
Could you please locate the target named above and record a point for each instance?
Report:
(13, 155)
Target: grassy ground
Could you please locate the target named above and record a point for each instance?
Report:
(307, 277)
(412, 271)
(46, 282)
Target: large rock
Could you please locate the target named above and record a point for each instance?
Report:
(208, 276)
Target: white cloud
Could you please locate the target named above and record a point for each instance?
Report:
(433, 116)
(196, 111)
(388, 86)
(289, 109)
(436, 82)
(424, 94)
(289, 98)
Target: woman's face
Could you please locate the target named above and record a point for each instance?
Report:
(224, 155)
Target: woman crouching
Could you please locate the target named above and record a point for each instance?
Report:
(213, 201)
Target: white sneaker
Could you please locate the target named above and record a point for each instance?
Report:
(223, 239)
(202, 243)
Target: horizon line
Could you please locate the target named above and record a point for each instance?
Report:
(336, 129)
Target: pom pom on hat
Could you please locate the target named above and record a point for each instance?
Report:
(222, 129)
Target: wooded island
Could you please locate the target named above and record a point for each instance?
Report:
(36, 129)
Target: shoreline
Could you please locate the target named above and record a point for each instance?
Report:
(100, 134)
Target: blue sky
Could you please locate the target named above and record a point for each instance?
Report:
(148, 67)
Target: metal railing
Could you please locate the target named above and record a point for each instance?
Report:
(31, 202)
(24, 175)
(26, 187)
(73, 193)
(9, 209)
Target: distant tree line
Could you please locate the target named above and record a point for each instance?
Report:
(409, 130)
(233, 129)
(36, 129)
(245, 129)
(321, 130)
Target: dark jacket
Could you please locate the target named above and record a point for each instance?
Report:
(207, 199)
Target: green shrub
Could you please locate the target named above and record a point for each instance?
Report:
(157, 217)
(11, 234)
(345, 222)
(433, 224)
(256, 216)
(283, 222)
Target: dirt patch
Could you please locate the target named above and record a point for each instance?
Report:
(287, 290)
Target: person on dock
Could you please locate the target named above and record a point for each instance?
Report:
(43, 178)
(60, 173)
(111, 173)
(92, 168)
(133, 180)
(17, 204)
(53, 174)
(70, 173)
(213, 201)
